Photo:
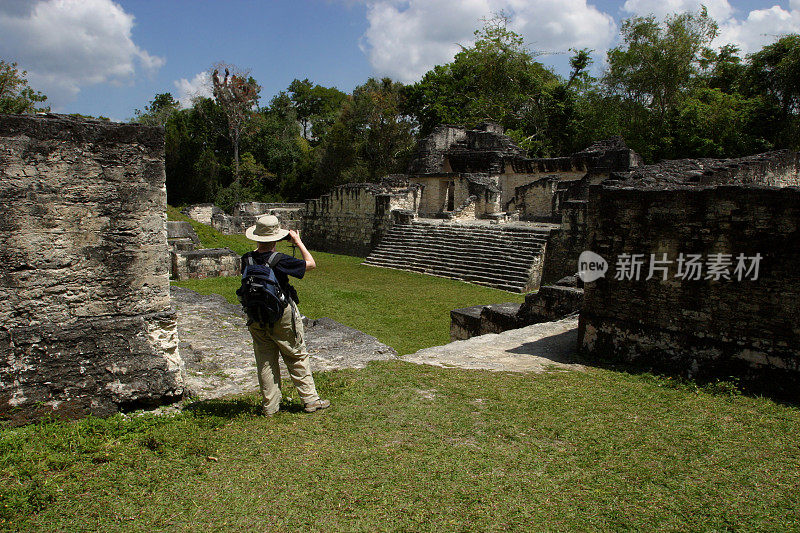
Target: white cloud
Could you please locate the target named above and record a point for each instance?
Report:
(407, 38)
(200, 85)
(68, 44)
(719, 10)
(760, 27)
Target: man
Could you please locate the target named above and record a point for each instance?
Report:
(286, 336)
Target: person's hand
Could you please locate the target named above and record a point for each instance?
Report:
(294, 236)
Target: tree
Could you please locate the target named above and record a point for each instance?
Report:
(657, 62)
(649, 80)
(15, 94)
(316, 106)
(198, 153)
(370, 138)
(496, 79)
(237, 94)
(773, 76)
(159, 110)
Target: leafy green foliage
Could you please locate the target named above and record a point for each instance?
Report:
(158, 111)
(672, 96)
(316, 106)
(370, 138)
(496, 80)
(657, 61)
(15, 94)
(773, 76)
(198, 153)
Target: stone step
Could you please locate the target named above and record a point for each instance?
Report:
(471, 261)
(456, 249)
(494, 283)
(441, 241)
(479, 229)
(460, 249)
(459, 272)
(505, 235)
(500, 258)
(502, 241)
(464, 238)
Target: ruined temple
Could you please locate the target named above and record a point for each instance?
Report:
(472, 207)
(701, 281)
(485, 170)
(85, 320)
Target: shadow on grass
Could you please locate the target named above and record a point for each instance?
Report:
(236, 407)
(774, 387)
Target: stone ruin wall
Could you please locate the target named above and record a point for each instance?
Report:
(778, 169)
(700, 328)
(353, 218)
(565, 244)
(85, 320)
(205, 263)
(775, 169)
(245, 215)
(484, 191)
(429, 155)
(203, 213)
(434, 197)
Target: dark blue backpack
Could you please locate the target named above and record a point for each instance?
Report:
(260, 294)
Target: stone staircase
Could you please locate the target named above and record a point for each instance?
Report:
(504, 257)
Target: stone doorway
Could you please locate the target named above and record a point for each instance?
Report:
(447, 195)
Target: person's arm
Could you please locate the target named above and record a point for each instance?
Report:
(307, 257)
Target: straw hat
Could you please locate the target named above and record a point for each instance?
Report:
(267, 229)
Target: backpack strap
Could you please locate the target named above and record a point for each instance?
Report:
(250, 262)
(273, 259)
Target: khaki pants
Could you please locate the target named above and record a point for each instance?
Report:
(287, 340)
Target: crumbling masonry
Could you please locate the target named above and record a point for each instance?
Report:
(85, 320)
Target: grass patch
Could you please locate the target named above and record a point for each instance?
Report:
(211, 238)
(406, 310)
(417, 448)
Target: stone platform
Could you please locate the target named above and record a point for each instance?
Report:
(536, 348)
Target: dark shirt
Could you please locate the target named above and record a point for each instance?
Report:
(285, 267)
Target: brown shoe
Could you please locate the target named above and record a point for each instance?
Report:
(316, 406)
(267, 412)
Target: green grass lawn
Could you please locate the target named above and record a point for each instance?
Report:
(417, 448)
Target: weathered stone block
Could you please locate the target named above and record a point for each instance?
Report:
(552, 302)
(85, 325)
(498, 318)
(201, 212)
(465, 322)
(206, 263)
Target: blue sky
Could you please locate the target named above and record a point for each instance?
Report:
(106, 57)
